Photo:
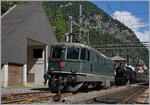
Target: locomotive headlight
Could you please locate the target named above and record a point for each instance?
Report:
(52, 69)
(73, 71)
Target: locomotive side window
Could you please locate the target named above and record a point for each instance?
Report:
(88, 55)
(83, 50)
(72, 53)
(57, 52)
(85, 54)
(97, 58)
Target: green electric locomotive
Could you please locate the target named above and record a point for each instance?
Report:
(75, 65)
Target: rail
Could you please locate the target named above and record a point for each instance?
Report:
(110, 96)
(27, 98)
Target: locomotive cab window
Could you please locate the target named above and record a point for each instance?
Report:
(57, 52)
(72, 53)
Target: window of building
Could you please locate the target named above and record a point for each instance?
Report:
(37, 53)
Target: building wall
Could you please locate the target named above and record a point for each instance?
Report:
(25, 21)
(15, 74)
(35, 66)
(22, 23)
(2, 75)
(118, 62)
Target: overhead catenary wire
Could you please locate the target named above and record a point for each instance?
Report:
(125, 10)
(109, 7)
(122, 5)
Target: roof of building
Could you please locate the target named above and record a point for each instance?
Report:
(25, 21)
(118, 58)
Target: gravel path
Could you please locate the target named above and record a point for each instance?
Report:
(22, 90)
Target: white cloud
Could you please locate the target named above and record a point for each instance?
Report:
(132, 22)
(143, 36)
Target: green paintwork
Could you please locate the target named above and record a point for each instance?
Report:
(103, 66)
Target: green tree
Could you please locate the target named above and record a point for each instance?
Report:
(60, 26)
(6, 5)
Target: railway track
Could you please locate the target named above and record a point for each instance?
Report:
(124, 94)
(121, 95)
(28, 98)
(25, 97)
(143, 98)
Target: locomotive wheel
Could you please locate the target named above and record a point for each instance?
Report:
(57, 97)
(97, 87)
(117, 81)
(94, 85)
(65, 87)
(125, 80)
(50, 86)
(53, 87)
(84, 87)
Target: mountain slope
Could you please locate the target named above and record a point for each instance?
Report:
(105, 30)
(93, 17)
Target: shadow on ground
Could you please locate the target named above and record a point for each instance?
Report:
(41, 89)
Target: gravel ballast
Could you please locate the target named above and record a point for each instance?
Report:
(22, 90)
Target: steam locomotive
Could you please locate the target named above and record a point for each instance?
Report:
(126, 75)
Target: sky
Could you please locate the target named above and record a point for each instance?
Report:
(134, 14)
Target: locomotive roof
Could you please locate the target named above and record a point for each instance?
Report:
(80, 45)
(72, 44)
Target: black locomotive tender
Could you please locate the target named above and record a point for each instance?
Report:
(73, 66)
